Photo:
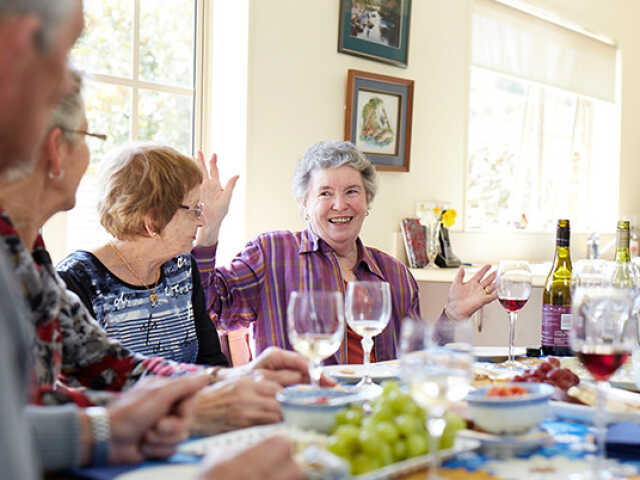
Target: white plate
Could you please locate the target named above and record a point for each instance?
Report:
(352, 373)
(418, 463)
(184, 471)
(497, 354)
(585, 414)
(506, 446)
(232, 442)
(237, 440)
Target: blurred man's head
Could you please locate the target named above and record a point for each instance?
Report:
(35, 39)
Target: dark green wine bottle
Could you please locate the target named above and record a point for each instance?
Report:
(556, 297)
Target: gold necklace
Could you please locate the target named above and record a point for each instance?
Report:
(153, 297)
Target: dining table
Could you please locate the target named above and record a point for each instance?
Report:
(564, 448)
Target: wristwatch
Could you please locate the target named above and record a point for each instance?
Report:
(100, 432)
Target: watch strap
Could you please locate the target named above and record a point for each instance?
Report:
(100, 432)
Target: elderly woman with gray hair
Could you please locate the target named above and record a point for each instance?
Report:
(334, 184)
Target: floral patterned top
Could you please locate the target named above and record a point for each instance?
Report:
(68, 341)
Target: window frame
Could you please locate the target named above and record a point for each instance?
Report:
(56, 228)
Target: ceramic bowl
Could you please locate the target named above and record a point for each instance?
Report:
(315, 408)
(510, 415)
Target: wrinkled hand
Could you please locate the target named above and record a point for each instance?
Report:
(149, 420)
(467, 297)
(215, 198)
(284, 367)
(271, 459)
(236, 403)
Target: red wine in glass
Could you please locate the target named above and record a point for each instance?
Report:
(513, 304)
(602, 361)
(513, 286)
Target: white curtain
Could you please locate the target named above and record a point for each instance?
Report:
(510, 41)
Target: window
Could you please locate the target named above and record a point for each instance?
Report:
(140, 60)
(542, 144)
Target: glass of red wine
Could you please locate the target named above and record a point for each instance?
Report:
(513, 286)
(602, 336)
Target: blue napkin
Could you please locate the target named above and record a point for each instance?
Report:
(623, 440)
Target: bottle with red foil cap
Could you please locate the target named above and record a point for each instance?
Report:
(556, 297)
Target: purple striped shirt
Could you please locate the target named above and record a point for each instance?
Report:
(255, 288)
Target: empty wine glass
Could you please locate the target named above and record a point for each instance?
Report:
(368, 310)
(513, 286)
(437, 376)
(603, 333)
(315, 323)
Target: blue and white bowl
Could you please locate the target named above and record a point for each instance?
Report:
(303, 406)
(510, 415)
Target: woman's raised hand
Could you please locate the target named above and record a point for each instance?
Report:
(467, 297)
(215, 198)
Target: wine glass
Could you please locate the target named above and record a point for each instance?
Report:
(315, 323)
(437, 376)
(513, 286)
(368, 310)
(603, 333)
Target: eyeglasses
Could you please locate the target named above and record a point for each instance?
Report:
(101, 136)
(197, 210)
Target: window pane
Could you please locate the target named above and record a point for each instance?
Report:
(166, 41)
(534, 153)
(108, 112)
(105, 46)
(165, 118)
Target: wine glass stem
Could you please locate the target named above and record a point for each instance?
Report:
(513, 316)
(367, 345)
(435, 427)
(315, 371)
(601, 426)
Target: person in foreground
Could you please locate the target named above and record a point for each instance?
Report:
(335, 185)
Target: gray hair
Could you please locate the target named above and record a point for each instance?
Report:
(333, 154)
(69, 113)
(51, 12)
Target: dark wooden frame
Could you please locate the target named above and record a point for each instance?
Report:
(374, 51)
(386, 85)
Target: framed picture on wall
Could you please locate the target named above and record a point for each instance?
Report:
(378, 118)
(378, 29)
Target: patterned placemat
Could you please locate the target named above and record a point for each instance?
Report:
(454, 474)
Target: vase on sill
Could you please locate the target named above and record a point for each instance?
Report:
(433, 242)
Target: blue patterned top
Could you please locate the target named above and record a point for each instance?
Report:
(176, 328)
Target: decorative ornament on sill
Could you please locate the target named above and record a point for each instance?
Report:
(437, 217)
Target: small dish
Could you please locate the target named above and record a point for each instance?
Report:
(352, 373)
(506, 446)
(496, 354)
(510, 415)
(315, 408)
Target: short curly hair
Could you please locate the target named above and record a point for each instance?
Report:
(141, 179)
(332, 154)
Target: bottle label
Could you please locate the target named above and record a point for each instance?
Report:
(555, 328)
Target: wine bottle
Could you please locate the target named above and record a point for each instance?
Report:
(622, 274)
(556, 297)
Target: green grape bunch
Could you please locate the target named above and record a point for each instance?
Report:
(393, 431)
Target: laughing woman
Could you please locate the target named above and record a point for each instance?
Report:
(335, 185)
(143, 286)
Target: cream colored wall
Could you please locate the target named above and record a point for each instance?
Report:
(296, 92)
